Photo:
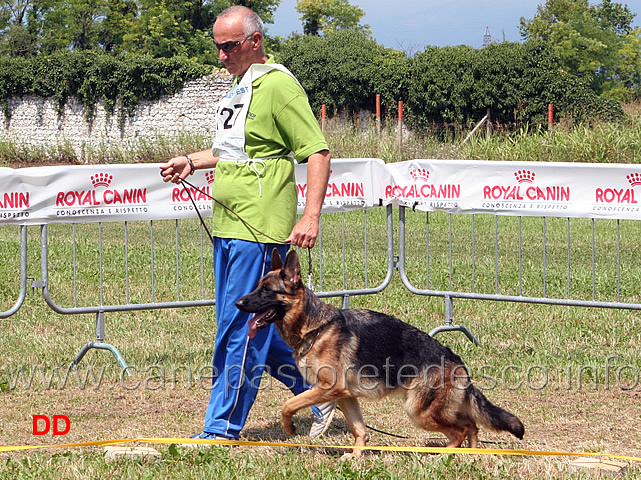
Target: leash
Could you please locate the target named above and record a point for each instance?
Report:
(245, 222)
(379, 431)
(202, 221)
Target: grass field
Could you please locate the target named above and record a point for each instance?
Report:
(570, 373)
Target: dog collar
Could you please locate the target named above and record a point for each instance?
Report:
(305, 344)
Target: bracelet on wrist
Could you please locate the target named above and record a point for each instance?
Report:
(191, 164)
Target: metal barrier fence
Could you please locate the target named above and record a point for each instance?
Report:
(21, 273)
(555, 261)
(97, 268)
(94, 258)
(100, 268)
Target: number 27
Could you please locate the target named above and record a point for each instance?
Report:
(231, 115)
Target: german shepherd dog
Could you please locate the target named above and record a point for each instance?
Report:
(347, 354)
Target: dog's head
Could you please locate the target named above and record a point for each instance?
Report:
(275, 294)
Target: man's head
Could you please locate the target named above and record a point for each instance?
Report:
(238, 35)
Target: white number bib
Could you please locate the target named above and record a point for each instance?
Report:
(231, 114)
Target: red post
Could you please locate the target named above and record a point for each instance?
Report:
(323, 117)
(400, 127)
(378, 113)
(550, 116)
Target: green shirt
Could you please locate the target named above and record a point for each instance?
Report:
(279, 121)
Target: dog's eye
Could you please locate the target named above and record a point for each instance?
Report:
(283, 292)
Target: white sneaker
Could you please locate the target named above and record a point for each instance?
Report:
(323, 415)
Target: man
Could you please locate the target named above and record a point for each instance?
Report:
(262, 125)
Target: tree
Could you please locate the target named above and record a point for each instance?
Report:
(344, 70)
(13, 12)
(264, 8)
(161, 28)
(112, 29)
(596, 43)
(15, 39)
(330, 15)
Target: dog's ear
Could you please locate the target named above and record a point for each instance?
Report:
(277, 262)
(291, 270)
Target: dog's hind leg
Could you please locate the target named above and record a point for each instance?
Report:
(352, 411)
(456, 435)
(473, 436)
(431, 413)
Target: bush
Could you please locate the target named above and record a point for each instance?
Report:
(515, 81)
(345, 70)
(93, 76)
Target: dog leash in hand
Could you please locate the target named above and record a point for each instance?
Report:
(202, 221)
(245, 222)
(310, 285)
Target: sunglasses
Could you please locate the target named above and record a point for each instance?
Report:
(229, 46)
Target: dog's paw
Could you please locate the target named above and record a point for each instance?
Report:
(350, 456)
(288, 425)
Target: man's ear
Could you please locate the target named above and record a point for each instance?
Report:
(291, 269)
(257, 38)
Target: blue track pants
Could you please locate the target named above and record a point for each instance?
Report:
(239, 361)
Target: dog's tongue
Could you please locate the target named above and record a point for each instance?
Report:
(252, 327)
(253, 323)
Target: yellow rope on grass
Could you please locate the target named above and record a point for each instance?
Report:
(438, 450)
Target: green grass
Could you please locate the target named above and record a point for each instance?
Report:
(536, 360)
(221, 464)
(600, 143)
(16, 153)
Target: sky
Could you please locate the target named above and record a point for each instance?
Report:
(411, 25)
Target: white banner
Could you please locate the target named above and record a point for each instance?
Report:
(355, 183)
(96, 193)
(105, 193)
(110, 193)
(580, 190)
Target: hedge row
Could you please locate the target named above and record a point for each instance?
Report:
(345, 71)
(449, 84)
(92, 76)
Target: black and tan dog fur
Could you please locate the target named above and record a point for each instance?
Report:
(346, 354)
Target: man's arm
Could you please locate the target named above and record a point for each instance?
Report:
(178, 168)
(305, 231)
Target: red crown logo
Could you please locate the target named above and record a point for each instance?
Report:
(420, 174)
(209, 176)
(524, 176)
(634, 179)
(101, 180)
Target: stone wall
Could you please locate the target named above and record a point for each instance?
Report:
(35, 122)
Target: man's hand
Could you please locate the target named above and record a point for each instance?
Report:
(304, 233)
(178, 168)
(306, 230)
(175, 170)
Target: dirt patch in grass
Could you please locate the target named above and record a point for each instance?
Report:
(607, 421)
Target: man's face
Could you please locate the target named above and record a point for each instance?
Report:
(236, 58)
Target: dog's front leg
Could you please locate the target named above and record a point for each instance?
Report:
(352, 411)
(310, 397)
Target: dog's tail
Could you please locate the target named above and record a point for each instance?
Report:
(492, 417)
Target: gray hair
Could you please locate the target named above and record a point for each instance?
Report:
(251, 21)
